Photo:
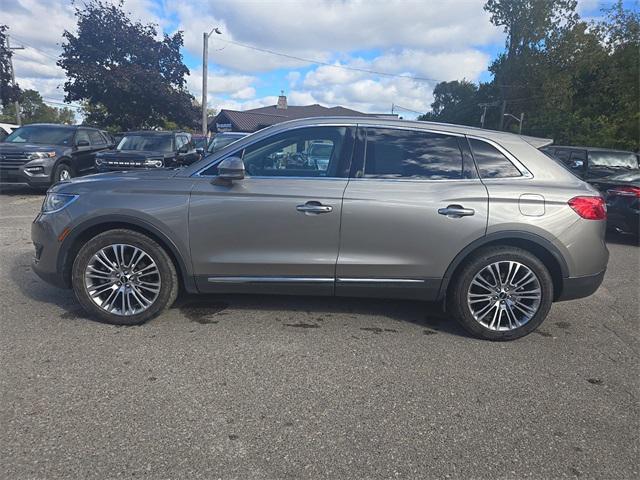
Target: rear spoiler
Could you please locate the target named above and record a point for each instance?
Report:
(537, 142)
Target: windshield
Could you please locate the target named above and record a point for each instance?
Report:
(48, 135)
(221, 141)
(155, 143)
(613, 160)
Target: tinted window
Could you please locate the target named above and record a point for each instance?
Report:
(491, 162)
(82, 135)
(96, 138)
(393, 153)
(41, 134)
(290, 154)
(222, 140)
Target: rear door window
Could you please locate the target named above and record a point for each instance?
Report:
(491, 162)
(411, 154)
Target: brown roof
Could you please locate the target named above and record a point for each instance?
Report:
(257, 118)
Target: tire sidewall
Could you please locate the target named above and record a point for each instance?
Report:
(168, 279)
(463, 313)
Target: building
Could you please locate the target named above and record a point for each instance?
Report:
(258, 118)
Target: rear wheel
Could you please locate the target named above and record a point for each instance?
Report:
(124, 278)
(502, 293)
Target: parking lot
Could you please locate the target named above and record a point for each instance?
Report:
(297, 387)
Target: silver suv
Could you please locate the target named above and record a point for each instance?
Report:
(479, 220)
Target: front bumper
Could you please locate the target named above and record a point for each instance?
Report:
(35, 174)
(580, 287)
(47, 262)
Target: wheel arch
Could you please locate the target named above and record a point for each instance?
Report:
(539, 246)
(89, 229)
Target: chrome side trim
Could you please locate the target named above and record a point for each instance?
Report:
(270, 280)
(379, 280)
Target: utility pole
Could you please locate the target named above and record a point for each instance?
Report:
(205, 64)
(519, 120)
(484, 111)
(13, 80)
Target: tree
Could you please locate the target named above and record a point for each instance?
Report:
(126, 78)
(34, 110)
(8, 92)
(576, 82)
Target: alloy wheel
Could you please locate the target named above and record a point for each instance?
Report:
(504, 295)
(64, 175)
(122, 279)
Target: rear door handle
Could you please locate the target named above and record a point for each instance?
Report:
(314, 207)
(456, 211)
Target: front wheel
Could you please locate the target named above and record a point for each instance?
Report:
(502, 293)
(124, 278)
(63, 172)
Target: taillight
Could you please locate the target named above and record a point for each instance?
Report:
(590, 208)
(625, 191)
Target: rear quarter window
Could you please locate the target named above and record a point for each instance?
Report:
(491, 162)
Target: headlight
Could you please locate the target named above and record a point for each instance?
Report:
(98, 161)
(153, 163)
(37, 155)
(54, 202)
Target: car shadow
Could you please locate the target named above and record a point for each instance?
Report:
(428, 316)
(20, 190)
(620, 239)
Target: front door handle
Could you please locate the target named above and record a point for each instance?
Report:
(456, 211)
(314, 207)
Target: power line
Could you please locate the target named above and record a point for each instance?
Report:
(36, 48)
(327, 64)
(56, 102)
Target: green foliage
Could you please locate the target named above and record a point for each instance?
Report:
(8, 93)
(125, 76)
(34, 110)
(576, 82)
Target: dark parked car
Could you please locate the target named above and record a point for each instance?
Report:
(42, 154)
(223, 139)
(590, 163)
(149, 149)
(481, 221)
(622, 192)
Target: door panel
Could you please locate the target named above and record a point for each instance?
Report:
(279, 227)
(414, 205)
(253, 228)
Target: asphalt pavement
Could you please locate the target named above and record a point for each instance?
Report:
(257, 387)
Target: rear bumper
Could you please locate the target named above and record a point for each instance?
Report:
(580, 287)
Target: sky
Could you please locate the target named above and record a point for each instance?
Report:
(410, 45)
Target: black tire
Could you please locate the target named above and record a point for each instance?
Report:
(167, 273)
(457, 295)
(60, 170)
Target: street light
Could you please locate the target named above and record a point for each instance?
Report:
(205, 60)
(519, 120)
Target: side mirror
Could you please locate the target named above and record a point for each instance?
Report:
(200, 151)
(82, 143)
(230, 169)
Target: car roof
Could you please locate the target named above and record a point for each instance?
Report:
(536, 142)
(149, 132)
(61, 125)
(589, 149)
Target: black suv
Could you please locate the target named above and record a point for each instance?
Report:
(43, 154)
(591, 163)
(149, 149)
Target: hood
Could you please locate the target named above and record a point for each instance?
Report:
(92, 182)
(134, 155)
(28, 147)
